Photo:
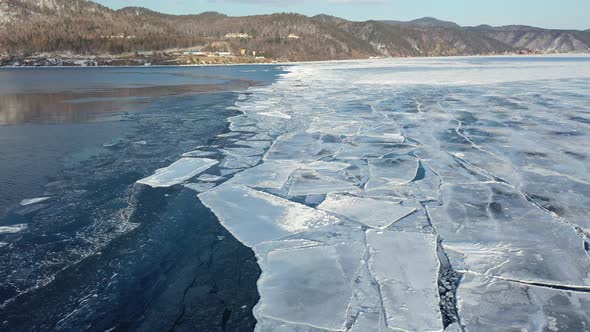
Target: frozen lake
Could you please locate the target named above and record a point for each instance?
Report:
(439, 194)
(416, 195)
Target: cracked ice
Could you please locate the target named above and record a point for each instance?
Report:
(357, 183)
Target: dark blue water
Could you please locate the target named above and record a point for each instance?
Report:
(50, 116)
(102, 253)
(18, 80)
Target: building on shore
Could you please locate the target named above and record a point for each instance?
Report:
(239, 35)
(195, 53)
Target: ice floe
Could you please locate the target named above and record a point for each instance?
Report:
(31, 201)
(253, 216)
(210, 178)
(12, 229)
(198, 154)
(178, 172)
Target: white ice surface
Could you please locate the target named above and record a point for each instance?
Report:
(178, 172)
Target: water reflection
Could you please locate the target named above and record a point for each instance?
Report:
(72, 107)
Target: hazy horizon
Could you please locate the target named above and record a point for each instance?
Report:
(567, 14)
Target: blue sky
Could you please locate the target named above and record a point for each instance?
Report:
(563, 14)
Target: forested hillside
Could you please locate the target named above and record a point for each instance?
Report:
(84, 27)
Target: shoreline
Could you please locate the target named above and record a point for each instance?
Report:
(286, 63)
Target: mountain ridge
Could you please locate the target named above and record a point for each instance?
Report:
(86, 27)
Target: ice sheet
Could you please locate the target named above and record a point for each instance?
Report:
(488, 304)
(493, 230)
(310, 182)
(254, 216)
(270, 174)
(369, 322)
(406, 267)
(371, 212)
(363, 142)
(294, 286)
(303, 147)
(391, 171)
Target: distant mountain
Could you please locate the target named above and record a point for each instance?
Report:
(85, 27)
(426, 22)
(409, 40)
(520, 37)
(531, 38)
